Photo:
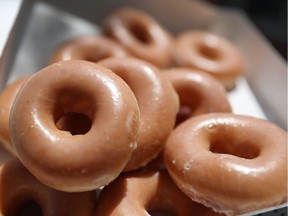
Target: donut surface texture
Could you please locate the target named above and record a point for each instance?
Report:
(140, 34)
(145, 193)
(75, 160)
(22, 194)
(89, 48)
(7, 97)
(158, 104)
(199, 93)
(211, 53)
(231, 163)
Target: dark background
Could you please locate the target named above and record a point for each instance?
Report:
(270, 16)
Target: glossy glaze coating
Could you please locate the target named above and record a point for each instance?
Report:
(145, 192)
(197, 91)
(7, 97)
(211, 53)
(232, 163)
(158, 104)
(63, 159)
(19, 189)
(89, 48)
(141, 34)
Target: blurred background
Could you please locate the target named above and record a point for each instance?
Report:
(270, 16)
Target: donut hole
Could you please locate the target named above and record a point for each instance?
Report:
(140, 32)
(97, 55)
(29, 207)
(73, 110)
(161, 212)
(189, 103)
(209, 52)
(75, 123)
(242, 149)
(160, 205)
(183, 114)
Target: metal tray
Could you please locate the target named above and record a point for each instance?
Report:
(42, 25)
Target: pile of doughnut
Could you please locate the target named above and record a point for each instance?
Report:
(137, 122)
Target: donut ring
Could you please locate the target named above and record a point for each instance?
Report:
(75, 162)
(132, 196)
(140, 34)
(199, 93)
(7, 98)
(22, 194)
(211, 53)
(89, 48)
(155, 95)
(229, 162)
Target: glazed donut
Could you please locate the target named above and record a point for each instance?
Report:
(7, 97)
(22, 194)
(231, 163)
(211, 53)
(158, 104)
(69, 161)
(89, 48)
(199, 93)
(140, 34)
(149, 192)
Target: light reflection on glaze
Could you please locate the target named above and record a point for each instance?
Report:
(66, 56)
(42, 127)
(116, 96)
(211, 41)
(213, 124)
(150, 72)
(198, 78)
(247, 170)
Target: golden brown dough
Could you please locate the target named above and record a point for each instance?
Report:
(158, 104)
(232, 163)
(145, 193)
(211, 53)
(199, 93)
(7, 98)
(140, 34)
(89, 48)
(79, 160)
(22, 194)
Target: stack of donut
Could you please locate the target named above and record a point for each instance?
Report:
(137, 122)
